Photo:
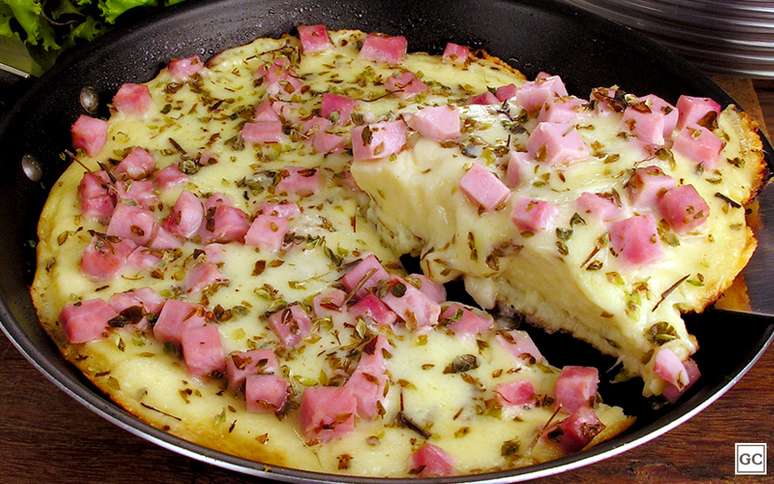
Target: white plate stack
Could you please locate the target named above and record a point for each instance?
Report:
(721, 36)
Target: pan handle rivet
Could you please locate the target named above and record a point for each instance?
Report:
(89, 99)
(31, 168)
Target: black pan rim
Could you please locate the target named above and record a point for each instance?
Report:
(103, 407)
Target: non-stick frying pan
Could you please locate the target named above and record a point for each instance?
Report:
(532, 35)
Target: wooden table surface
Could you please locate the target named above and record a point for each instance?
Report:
(47, 437)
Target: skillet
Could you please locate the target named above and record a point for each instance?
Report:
(533, 35)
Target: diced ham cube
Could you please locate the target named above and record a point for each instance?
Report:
(503, 93)
(466, 322)
(455, 52)
(553, 143)
(576, 431)
(683, 208)
(277, 78)
(327, 413)
(89, 134)
(291, 325)
(314, 38)
(652, 120)
(366, 274)
(635, 240)
(519, 344)
(435, 291)
(299, 181)
(164, 240)
(105, 256)
(242, 364)
(315, 124)
(202, 350)
(370, 306)
(384, 48)
(86, 321)
(699, 144)
(182, 68)
(440, 123)
(144, 258)
(149, 300)
(186, 216)
(483, 188)
(214, 253)
(576, 387)
(411, 305)
(95, 195)
(266, 393)
(647, 185)
(484, 98)
(337, 108)
(169, 177)
(694, 109)
(283, 209)
(325, 143)
(518, 166)
(174, 318)
(133, 99)
(223, 222)
(600, 206)
(329, 303)
(533, 215)
(670, 368)
(431, 461)
(267, 232)
(265, 112)
(532, 95)
(202, 276)
(133, 223)
(378, 140)
(368, 381)
(405, 85)
(141, 192)
(561, 110)
(519, 393)
(673, 393)
(262, 132)
(138, 163)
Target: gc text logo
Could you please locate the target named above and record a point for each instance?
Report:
(750, 459)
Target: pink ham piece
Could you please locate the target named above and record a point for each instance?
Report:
(412, 306)
(337, 108)
(431, 461)
(262, 132)
(440, 123)
(519, 344)
(455, 52)
(576, 387)
(325, 143)
(202, 276)
(646, 186)
(554, 143)
(327, 413)
(699, 144)
(329, 303)
(141, 192)
(366, 274)
(695, 109)
(371, 307)
(283, 209)
(291, 325)
(133, 223)
(315, 124)
(518, 167)
(222, 221)
(484, 98)
(466, 322)
(635, 240)
(669, 368)
(174, 318)
(515, 394)
(202, 350)
(576, 431)
(138, 163)
(267, 232)
(169, 177)
(368, 381)
(278, 79)
(405, 85)
(133, 99)
(503, 93)
(164, 240)
(105, 256)
(144, 258)
(299, 181)
(95, 195)
(532, 95)
(214, 253)
(683, 208)
(532, 215)
(182, 68)
(651, 120)
(561, 110)
(86, 321)
(314, 38)
(378, 140)
(186, 216)
(242, 364)
(673, 393)
(266, 393)
(265, 112)
(599, 206)
(149, 300)
(433, 290)
(89, 134)
(384, 48)
(483, 188)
